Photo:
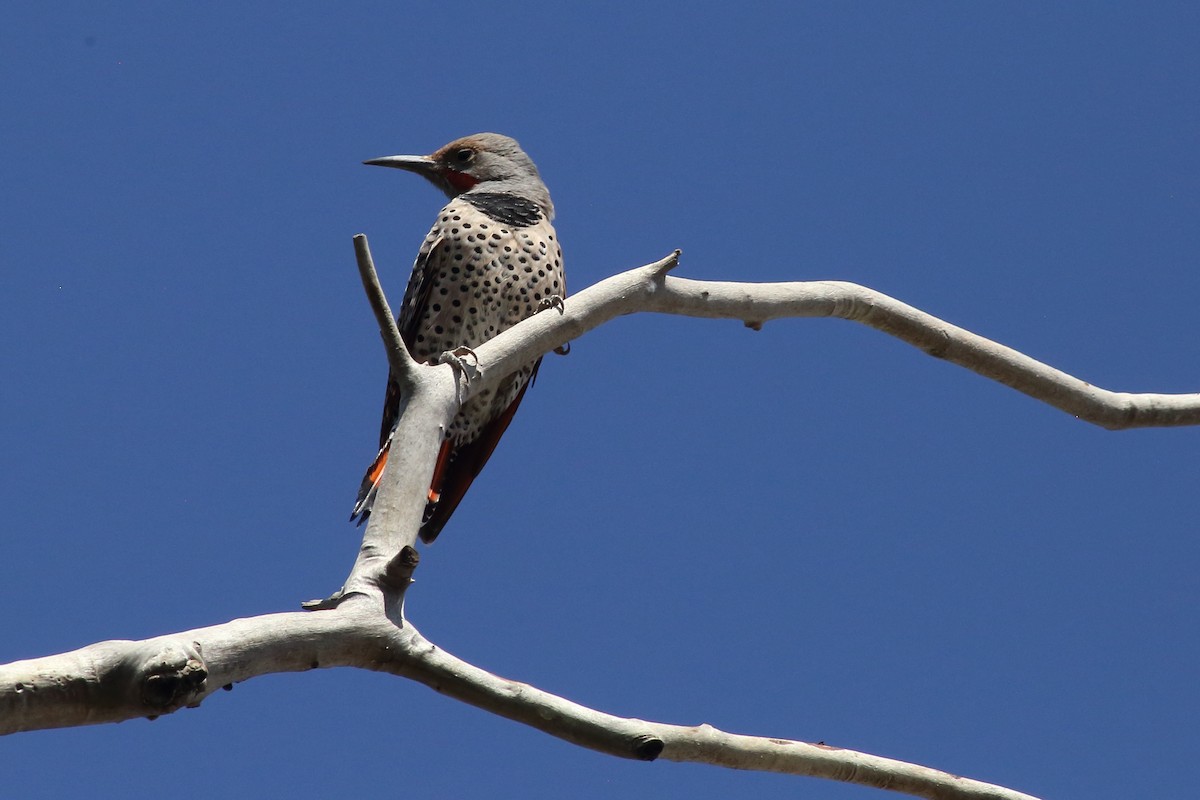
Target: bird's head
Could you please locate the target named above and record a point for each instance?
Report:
(485, 162)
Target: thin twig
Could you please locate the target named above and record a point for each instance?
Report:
(399, 359)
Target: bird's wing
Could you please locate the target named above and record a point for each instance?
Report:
(463, 464)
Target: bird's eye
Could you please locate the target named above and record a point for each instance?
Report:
(464, 156)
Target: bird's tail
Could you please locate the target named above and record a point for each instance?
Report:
(370, 486)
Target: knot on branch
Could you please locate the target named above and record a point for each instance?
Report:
(938, 343)
(395, 580)
(397, 575)
(173, 678)
(647, 747)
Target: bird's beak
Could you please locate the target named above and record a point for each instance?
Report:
(422, 165)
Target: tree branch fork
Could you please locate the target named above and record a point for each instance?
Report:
(363, 624)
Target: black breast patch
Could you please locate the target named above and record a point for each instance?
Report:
(506, 208)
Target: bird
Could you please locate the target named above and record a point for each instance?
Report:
(491, 259)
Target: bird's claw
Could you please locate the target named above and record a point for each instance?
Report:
(457, 359)
(555, 301)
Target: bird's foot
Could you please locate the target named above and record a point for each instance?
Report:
(457, 359)
(553, 301)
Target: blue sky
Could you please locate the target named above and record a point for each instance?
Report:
(811, 532)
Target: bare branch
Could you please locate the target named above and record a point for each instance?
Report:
(121, 680)
(646, 741)
(705, 744)
(426, 412)
(762, 302)
(363, 626)
(649, 289)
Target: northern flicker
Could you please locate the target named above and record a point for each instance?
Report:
(491, 260)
